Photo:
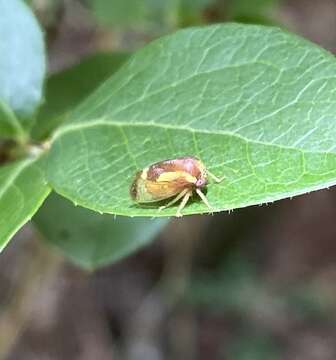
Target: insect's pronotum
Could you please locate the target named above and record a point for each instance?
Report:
(176, 177)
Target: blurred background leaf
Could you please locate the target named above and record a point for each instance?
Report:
(10, 126)
(191, 12)
(89, 239)
(236, 287)
(126, 13)
(254, 347)
(66, 89)
(161, 15)
(241, 8)
(22, 59)
(149, 15)
(253, 12)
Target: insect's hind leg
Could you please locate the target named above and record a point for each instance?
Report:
(183, 202)
(176, 198)
(204, 199)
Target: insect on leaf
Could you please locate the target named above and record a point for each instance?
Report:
(256, 104)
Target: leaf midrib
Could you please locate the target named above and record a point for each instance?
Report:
(102, 122)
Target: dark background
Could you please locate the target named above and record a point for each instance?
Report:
(258, 283)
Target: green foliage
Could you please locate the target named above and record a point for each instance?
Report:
(256, 104)
(235, 287)
(22, 67)
(22, 190)
(148, 14)
(66, 89)
(240, 8)
(10, 126)
(89, 239)
(254, 348)
(251, 11)
(22, 59)
(120, 13)
(191, 12)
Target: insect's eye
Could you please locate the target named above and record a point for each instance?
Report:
(201, 182)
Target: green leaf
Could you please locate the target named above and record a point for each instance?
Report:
(144, 15)
(154, 15)
(120, 13)
(10, 126)
(22, 190)
(192, 11)
(253, 345)
(65, 90)
(22, 59)
(256, 104)
(89, 239)
(239, 8)
(138, 14)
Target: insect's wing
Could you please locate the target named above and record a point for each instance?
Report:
(162, 187)
(160, 190)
